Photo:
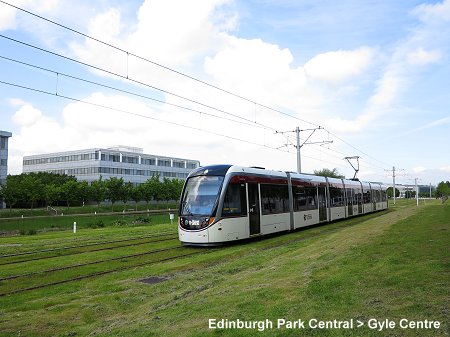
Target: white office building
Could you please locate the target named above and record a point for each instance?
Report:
(4, 135)
(129, 163)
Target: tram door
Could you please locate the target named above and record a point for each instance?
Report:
(253, 209)
(350, 201)
(322, 204)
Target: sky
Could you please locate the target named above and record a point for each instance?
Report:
(228, 81)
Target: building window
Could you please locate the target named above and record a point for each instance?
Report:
(164, 162)
(3, 142)
(191, 165)
(179, 164)
(130, 160)
(148, 161)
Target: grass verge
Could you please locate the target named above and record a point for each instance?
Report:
(391, 266)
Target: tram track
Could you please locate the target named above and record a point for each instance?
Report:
(91, 250)
(270, 245)
(100, 273)
(81, 246)
(78, 265)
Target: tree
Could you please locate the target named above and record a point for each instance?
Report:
(443, 190)
(137, 194)
(97, 191)
(177, 189)
(125, 192)
(114, 188)
(12, 191)
(410, 194)
(84, 191)
(52, 193)
(166, 190)
(70, 192)
(155, 187)
(146, 192)
(32, 188)
(390, 194)
(334, 173)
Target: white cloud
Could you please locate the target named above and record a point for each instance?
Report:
(8, 14)
(445, 169)
(423, 57)
(170, 32)
(338, 66)
(27, 115)
(431, 13)
(419, 169)
(7, 18)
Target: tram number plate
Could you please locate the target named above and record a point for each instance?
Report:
(195, 222)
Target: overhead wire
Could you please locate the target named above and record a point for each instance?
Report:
(58, 73)
(145, 116)
(134, 81)
(128, 53)
(156, 63)
(132, 113)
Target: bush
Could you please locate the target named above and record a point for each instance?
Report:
(96, 224)
(140, 220)
(120, 223)
(29, 232)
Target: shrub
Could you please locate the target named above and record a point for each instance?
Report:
(96, 224)
(140, 220)
(120, 223)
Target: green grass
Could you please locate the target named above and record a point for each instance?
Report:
(391, 265)
(24, 226)
(118, 207)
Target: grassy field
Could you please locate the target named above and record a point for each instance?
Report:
(31, 226)
(118, 207)
(389, 265)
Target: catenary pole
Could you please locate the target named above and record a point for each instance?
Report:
(299, 162)
(393, 181)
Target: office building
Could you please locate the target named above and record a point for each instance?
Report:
(129, 163)
(4, 155)
(4, 135)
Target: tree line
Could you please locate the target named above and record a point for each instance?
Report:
(49, 189)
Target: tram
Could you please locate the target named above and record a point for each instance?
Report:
(224, 203)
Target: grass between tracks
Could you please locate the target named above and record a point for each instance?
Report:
(389, 265)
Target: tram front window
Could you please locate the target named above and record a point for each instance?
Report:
(200, 195)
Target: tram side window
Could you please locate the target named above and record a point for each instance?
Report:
(274, 199)
(305, 198)
(336, 196)
(374, 196)
(366, 197)
(235, 203)
(357, 196)
(383, 195)
(349, 196)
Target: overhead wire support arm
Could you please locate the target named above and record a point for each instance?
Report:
(299, 145)
(355, 168)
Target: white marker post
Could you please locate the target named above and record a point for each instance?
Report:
(74, 227)
(171, 216)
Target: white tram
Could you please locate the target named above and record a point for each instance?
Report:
(225, 203)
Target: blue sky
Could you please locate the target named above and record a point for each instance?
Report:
(375, 74)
